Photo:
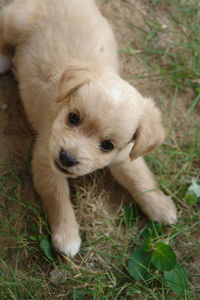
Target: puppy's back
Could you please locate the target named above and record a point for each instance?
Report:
(69, 29)
(62, 30)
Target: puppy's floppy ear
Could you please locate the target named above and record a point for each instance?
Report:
(150, 132)
(74, 76)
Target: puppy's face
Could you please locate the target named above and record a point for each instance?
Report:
(95, 126)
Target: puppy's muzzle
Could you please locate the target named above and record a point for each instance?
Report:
(67, 159)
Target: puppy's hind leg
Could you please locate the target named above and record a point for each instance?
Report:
(16, 21)
(54, 190)
(6, 37)
(136, 177)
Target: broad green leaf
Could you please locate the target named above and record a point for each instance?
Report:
(164, 258)
(139, 264)
(177, 279)
(47, 248)
(151, 230)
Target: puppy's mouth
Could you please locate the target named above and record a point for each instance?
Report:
(63, 170)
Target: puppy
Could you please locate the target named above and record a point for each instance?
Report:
(64, 56)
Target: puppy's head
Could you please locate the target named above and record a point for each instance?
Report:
(101, 120)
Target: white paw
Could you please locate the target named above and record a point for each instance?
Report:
(161, 209)
(167, 214)
(68, 246)
(5, 64)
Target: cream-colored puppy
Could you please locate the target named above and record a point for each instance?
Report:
(64, 57)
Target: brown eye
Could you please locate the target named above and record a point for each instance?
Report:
(106, 146)
(74, 119)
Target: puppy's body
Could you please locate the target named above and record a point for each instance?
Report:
(65, 60)
(56, 32)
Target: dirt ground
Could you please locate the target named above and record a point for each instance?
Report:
(16, 137)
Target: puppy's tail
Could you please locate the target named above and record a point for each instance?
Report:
(17, 20)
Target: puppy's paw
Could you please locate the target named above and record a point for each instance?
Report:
(68, 246)
(5, 64)
(161, 209)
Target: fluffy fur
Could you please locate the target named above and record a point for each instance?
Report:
(64, 57)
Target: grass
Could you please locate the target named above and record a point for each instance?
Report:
(169, 55)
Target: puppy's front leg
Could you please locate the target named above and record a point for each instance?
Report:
(136, 177)
(54, 190)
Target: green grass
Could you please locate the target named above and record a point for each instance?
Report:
(170, 57)
(172, 50)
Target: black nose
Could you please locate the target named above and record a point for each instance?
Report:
(67, 159)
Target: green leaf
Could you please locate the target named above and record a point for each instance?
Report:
(177, 279)
(139, 264)
(47, 248)
(164, 258)
(151, 230)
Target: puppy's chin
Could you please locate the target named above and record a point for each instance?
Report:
(69, 173)
(58, 168)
